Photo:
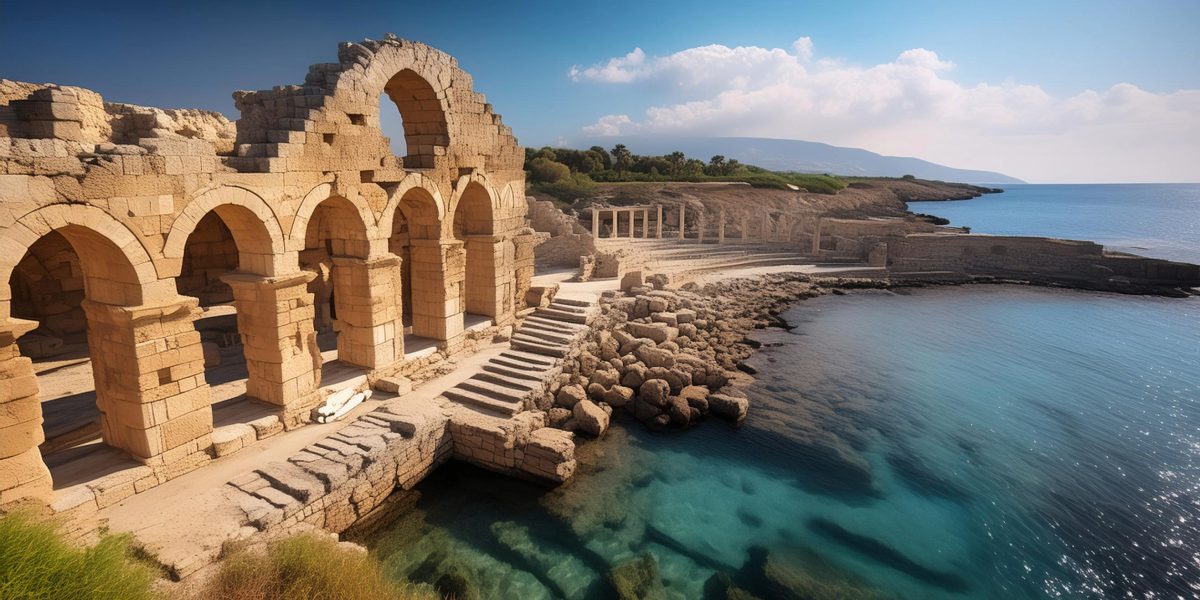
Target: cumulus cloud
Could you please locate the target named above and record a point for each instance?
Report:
(910, 106)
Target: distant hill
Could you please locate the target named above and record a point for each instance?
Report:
(799, 155)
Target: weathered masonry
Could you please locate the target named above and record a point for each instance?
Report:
(121, 225)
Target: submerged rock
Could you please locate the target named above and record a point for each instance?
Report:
(637, 579)
(733, 408)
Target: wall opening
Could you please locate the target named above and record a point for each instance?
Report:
(474, 226)
(421, 118)
(335, 240)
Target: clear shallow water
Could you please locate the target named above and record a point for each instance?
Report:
(1159, 220)
(976, 442)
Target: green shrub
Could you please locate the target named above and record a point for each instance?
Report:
(36, 563)
(306, 567)
(543, 169)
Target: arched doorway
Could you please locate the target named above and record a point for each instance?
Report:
(484, 287)
(227, 240)
(72, 281)
(335, 246)
(430, 304)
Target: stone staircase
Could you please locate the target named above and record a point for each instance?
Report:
(509, 383)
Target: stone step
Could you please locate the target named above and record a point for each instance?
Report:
(525, 357)
(574, 302)
(494, 390)
(521, 366)
(482, 402)
(543, 327)
(561, 315)
(516, 383)
(559, 343)
(569, 308)
(536, 347)
(541, 334)
(572, 328)
(515, 372)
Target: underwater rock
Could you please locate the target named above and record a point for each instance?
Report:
(729, 407)
(637, 579)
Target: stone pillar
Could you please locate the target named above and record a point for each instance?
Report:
(613, 234)
(489, 277)
(682, 216)
(369, 307)
(275, 320)
(524, 265)
(763, 233)
(631, 227)
(149, 370)
(816, 240)
(658, 225)
(23, 474)
(721, 227)
(702, 224)
(595, 223)
(645, 223)
(437, 282)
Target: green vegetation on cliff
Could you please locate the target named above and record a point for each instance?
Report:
(568, 174)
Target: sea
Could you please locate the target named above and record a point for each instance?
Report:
(986, 441)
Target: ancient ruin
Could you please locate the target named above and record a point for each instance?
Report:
(128, 233)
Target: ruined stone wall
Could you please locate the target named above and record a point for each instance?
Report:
(134, 190)
(1038, 259)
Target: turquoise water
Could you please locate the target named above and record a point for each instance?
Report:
(987, 442)
(980, 442)
(1159, 220)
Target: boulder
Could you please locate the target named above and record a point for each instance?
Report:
(733, 408)
(608, 346)
(635, 375)
(685, 315)
(687, 330)
(590, 418)
(557, 417)
(394, 385)
(668, 318)
(654, 392)
(657, 304)
(696, 396)
(606, 378)
(631, 280)
(633, 344)
(644, 411)
(596, 391)
(679, 411)
(659, 332)
(618, 395)
(655, 357)
(587, 363)
(570, 395)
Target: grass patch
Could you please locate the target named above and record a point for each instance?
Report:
(37, 563)
(306, 567)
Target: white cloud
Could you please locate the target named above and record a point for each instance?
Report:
(911, 106)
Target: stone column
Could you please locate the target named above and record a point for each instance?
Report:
(489, 277)
(595, 223)
(275, 320)
(149, 370)
(369, 307)
(524, 265)
(631, 234)
(658, 224)
(763, 233)
(816, 240)
(682, 217)
(645, 223)
(23, 474)
(613, 233)
(721, 226)
(437, 282)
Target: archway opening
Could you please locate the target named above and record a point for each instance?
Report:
(82, 428)
(227, 239)
(416, 231)
(335, 243)
(474, 225)
(423, 120)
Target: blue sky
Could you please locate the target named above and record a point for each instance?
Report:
(1036, 58)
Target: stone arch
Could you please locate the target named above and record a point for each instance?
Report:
(418, 203)
(121, 268)
(255, 228)
(415, 77)
(356, 222)
(475, 209)
(487, 273)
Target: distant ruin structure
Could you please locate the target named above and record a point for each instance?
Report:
(120, 224)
